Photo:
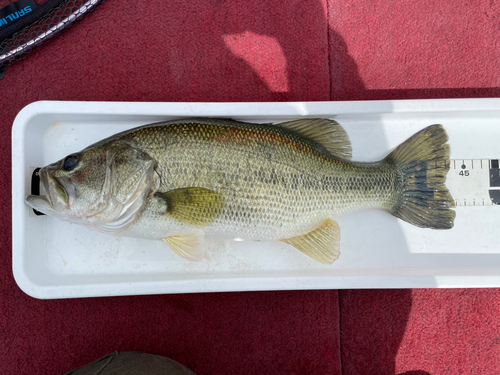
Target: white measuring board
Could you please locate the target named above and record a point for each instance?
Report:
(474, 182)
(56, 259)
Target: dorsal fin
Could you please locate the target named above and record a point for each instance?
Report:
(328, 133)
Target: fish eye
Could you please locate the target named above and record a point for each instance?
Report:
(70, 162)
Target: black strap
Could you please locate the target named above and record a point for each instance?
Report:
(27, 20)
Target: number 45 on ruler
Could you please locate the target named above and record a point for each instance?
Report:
(474, 182)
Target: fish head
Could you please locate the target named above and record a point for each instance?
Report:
(103, 187)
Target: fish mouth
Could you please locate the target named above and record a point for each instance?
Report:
(38, 203)
(56, 198)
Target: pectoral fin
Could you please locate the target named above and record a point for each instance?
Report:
(188, 246)
(322, 244)
(193, 206)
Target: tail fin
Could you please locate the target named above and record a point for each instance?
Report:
(422, 163)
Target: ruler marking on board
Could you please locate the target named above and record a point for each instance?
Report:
(471, 181)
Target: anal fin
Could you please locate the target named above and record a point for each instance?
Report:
(322, 244)
(187, 246)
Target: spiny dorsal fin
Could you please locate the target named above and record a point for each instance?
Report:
(328, 133)
(187, 246)
(322, 244)
(193, 206)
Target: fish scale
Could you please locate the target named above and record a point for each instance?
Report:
(275, 186)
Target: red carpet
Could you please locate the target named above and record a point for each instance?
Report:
(258, 51)
(419, 332)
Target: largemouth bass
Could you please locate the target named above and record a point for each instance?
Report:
(186, 180)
